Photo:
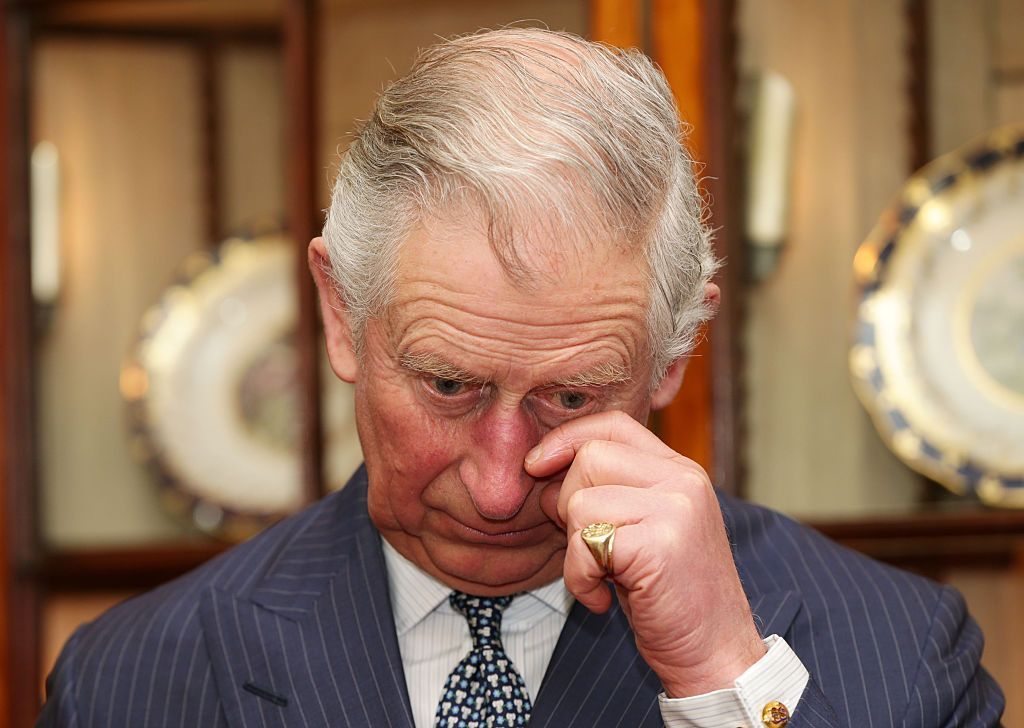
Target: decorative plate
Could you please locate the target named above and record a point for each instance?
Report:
(938, 352)
(212, 391)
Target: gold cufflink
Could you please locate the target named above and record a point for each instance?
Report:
(775, 715)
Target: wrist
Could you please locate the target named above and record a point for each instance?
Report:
(718, 673)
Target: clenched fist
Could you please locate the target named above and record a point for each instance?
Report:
(673, 567)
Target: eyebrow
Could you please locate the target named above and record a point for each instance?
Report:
(603, 375)
(434, 366)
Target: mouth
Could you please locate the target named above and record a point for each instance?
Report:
(508, 537)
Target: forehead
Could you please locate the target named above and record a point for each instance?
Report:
(452, 292)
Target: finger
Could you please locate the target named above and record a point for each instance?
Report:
(615, 504)
(558, 447)
(587, 580)
(549, 503)
(639, 522)
(584, 578)
(650, 530)
(603, 462)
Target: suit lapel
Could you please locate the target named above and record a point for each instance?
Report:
(313, 642)
(596, 676)
(775, 611)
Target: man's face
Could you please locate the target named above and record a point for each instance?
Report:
(461, 379)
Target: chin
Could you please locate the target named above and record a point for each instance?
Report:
(495, 572)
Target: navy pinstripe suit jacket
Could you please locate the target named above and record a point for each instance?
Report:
(294, 628)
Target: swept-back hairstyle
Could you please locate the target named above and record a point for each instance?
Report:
(537, 130)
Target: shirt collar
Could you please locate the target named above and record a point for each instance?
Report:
(415, 593)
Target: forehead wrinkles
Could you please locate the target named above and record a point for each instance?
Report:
(478, 326)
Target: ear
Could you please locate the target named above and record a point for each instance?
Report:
(670, 384)
(337, 332)
(673, 379)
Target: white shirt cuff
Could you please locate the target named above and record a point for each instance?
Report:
(778, 676)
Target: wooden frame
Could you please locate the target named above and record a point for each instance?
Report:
(934, 543)
(19, 599)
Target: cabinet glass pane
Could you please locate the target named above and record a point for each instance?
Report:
(127, 120)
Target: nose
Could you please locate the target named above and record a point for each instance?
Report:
(492, 470)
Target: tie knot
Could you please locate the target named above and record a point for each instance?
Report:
(484, 617)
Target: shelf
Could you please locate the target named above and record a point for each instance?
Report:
(121, 568)
(933, 542)
(166, 15)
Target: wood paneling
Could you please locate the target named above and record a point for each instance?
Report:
(209, 15)
(692, 42)
(994, 596)
(137, 568)
(725, 188)
(933, 543)
(679, 48)
(63, 613)
(918, 84)
(617, 22)
(303, 222)
(19, 633)
(6, 417)
(7, 440)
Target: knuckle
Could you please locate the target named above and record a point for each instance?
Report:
(691, 476)
(575, 503)
(676, 506)
(621, 420)
(589, 452)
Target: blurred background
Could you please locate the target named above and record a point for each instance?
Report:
(165, 162)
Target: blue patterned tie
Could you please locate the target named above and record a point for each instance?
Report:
(484, 690)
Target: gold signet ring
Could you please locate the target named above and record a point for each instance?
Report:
(599, 538)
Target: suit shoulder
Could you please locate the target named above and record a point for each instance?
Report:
(774, 551)
(879, 642)
(167, 617)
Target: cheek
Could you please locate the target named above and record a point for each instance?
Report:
(405, 450)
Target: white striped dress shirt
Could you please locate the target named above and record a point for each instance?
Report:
(433, 638)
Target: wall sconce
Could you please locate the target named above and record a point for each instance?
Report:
(45, 224)
(768, 170)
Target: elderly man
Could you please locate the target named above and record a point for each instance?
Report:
(513, 270)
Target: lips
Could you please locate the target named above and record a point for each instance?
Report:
(460, 531)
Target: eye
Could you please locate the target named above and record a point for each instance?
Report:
(447, 387)
(572, 400)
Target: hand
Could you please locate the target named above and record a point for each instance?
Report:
(673, 567)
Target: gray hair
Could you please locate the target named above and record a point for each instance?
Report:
(527, 125)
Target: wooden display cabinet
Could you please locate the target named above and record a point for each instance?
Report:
(32, 569)
(694, 42)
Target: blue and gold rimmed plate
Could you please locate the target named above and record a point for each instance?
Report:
(938, 351)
